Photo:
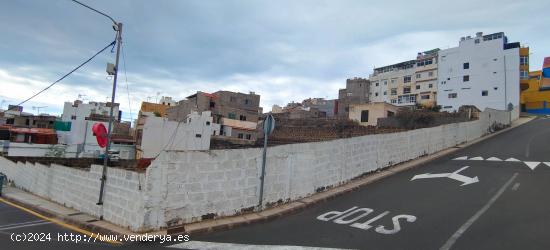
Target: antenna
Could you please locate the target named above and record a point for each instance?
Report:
(38, 108)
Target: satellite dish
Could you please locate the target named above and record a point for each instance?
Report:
(100, 133)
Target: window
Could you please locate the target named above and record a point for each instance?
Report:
(248, 136)
(417, 86)
(524, 60)
(376, 84)
(391, 113)
(406, 79)
(476, 41)
(349, 94)
(385, 82)
(431, 73)
(207, 123)
(484, 93)
(385, 92)
(231, 116)
(466, 78)
(364, 116)
(452, 95)
(198, 135)
(212, 104)
(240, 135)
(466, 65)
(232, 99)
(376, 94)
(393, 80)
(406, 90)
(394, 91)
(242, 118)
(394, 101)
(246, 101)
(430, 85)
(425, 97)
(418, 75)
(73, 117)
(523, 74)
(495, 88)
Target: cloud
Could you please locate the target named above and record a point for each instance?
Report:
(283, 50)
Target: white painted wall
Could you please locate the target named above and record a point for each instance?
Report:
(84, 110)
(491, 68)
(81, 133)
(79, 189)
(181, 186)
(161, 134)
(196, 183)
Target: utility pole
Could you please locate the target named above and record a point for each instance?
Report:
(118, 28)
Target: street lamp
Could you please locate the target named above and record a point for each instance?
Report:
(117, 26)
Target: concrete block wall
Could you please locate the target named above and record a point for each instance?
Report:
(195, 185)
(79, 189)
(188, 186)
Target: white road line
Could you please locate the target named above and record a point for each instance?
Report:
(512, 159)
(451, 241)
(532, 164)
(493, 159)
(20, 223)
(25, 225)
(203, 245)
(515, 186)
(479, 158)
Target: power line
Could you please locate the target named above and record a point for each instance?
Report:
(126, 80)
(70, 72)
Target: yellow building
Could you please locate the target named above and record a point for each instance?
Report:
(367, 114)
(532, 98)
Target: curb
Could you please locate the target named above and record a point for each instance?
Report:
(225, 223)
(83, 225)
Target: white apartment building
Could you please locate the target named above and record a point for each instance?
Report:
(482, 71)
(80, 111)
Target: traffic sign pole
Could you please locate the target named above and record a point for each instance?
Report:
(269, 126)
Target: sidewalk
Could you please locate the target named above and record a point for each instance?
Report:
(95, 225)
(62, 213)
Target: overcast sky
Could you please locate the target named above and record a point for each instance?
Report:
(283, 50)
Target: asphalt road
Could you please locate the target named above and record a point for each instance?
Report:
(508, 208)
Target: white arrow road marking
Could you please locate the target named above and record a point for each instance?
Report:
(203, 245)
(512, 159)
(547, 163)
(454, 175)
(493, 159)
(461, 158)
(532, 164)
(479, 158)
